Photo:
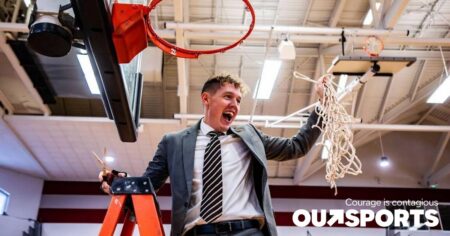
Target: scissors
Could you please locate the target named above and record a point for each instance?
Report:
(108, 174)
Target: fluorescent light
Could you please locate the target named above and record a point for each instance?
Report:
(441, 93)
(109, 159)
(86, 66)
(384, 162)
(268, 77)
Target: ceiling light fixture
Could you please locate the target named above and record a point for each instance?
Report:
(384, 160)
(89, 75)
(269, 75)
(443, 91)
(286, 49)
(109, 159)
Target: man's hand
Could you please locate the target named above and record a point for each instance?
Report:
(105, 185)
(320, 87)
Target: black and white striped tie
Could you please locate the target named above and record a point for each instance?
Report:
(211, 207)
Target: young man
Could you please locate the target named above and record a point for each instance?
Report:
(218, 174)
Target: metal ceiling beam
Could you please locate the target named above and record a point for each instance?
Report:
(337, 11)
(360, 100)
(417, 79)
(320, 70)
(436, 121)
(181, 14)
(303, 166)
(393, 114)
(376, 13)
(394, 13)
(427, 113)
(6, 103)
(308, 11)
(385, 99)
(443, 172)
(438, 156)
(22, 74)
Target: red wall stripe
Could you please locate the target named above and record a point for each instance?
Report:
(295, 192)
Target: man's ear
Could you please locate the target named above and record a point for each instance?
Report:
(205, 98)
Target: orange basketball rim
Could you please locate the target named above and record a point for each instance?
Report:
(132, 25)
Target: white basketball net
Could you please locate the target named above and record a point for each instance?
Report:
(337, 137)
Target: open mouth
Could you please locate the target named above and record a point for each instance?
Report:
(228, 116)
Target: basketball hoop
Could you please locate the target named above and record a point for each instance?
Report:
(131, 24)
(187, 53)
(373, 46)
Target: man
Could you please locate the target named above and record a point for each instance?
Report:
(218, 174)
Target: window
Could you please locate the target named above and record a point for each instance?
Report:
(4, 200)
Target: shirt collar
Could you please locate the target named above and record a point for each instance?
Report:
(205, 128)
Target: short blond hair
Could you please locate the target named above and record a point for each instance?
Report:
(217, 81)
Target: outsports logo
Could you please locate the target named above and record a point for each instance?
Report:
(361, 217)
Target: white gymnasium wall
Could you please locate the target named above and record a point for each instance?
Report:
(25, 192)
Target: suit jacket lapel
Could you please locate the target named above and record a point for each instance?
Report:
(253, 143)
(188, 143)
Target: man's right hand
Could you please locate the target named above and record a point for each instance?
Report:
(105, 185)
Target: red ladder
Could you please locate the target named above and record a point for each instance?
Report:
(144, 209)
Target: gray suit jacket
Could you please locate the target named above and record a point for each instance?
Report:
(175, 158)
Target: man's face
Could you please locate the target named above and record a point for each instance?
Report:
(222, 107)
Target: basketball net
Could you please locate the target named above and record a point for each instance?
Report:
(337, 137)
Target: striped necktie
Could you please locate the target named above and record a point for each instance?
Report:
(211, 206)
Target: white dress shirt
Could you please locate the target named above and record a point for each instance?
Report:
(239, 197)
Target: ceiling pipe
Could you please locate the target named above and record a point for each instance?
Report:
(399, 127)
(286, 29)
(300, 118)
(325, 39)
(295, 123)
(258, 36)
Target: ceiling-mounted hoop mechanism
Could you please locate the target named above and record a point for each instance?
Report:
(187, 53)
(375, 68)
(343, 39)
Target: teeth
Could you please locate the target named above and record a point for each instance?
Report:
(228, 115)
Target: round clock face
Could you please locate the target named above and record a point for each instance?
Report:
(373, 46)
